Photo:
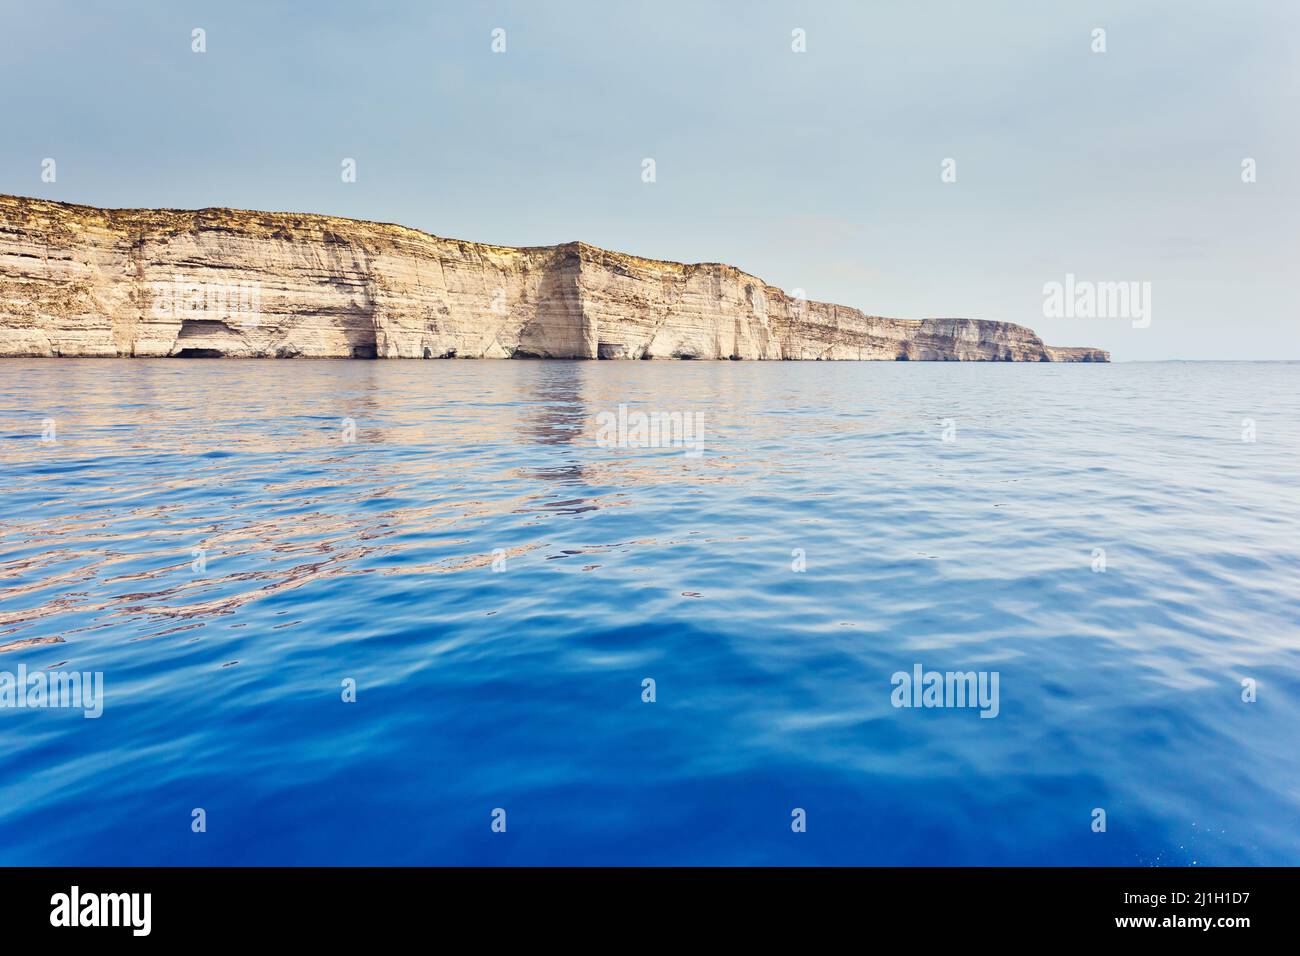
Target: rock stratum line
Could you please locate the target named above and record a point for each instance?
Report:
(83, 281)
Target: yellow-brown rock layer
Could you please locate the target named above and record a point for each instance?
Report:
(82, 281)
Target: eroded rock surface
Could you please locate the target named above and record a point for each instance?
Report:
(82, 281)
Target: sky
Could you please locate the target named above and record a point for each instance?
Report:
(822, 171)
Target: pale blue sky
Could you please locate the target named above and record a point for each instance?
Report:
(818, 171)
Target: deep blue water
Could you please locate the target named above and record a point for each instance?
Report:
(522, 689)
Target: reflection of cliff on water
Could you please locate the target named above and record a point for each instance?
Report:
(249, 468)
(557, 415)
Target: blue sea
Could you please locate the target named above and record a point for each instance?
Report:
(371, 612)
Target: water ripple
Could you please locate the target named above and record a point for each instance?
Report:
(228, 542)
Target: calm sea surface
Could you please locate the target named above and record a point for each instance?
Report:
(517, 683)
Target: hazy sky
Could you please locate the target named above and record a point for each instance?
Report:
(818, 170)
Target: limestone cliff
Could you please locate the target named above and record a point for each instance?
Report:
(81, 281)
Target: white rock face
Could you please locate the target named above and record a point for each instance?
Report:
(81, 281)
